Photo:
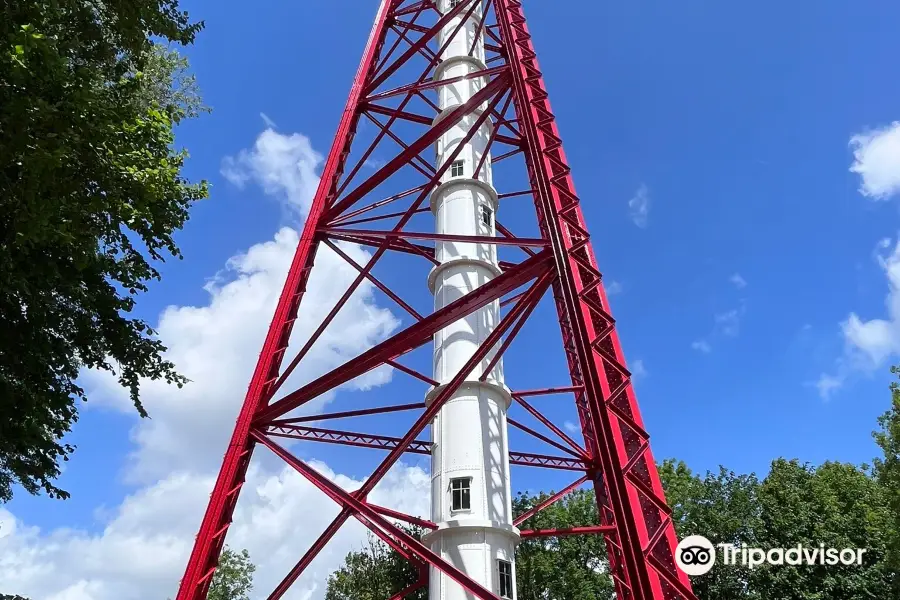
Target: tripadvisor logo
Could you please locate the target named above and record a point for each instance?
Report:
(696, 555)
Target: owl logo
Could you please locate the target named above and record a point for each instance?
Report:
(695, 555)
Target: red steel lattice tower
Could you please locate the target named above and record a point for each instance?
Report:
(404, 90)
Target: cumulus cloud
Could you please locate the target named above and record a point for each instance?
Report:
(702, 346)
(639, 206)
(729, 322)
(869, 344)
(827, 384)
(876, 157)
(738, 281)
(283, 165)
(216, 347)
(878, 339)
(613, 288)
(141, 551)
(638, 370)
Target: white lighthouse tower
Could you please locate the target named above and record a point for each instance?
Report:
(470, 492)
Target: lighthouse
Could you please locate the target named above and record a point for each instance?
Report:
(471, 501)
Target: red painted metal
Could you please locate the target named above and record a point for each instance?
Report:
(382, 442)
(615, 455)
(551, 500)
(632, 501)
(559, 532)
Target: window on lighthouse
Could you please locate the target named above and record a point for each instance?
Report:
(460, 489)
(487, 216)
(457, 169)
(504, 571)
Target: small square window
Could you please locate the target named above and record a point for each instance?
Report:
(487, 216)
(460, 493)
(453, 4)
(504, 570)
(457, 169)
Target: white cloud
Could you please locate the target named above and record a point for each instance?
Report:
(879, 338)
(141, 552)
(374, 163)
(869, 344)
(571, 427)
(283, 165)
(269, 122)
(638, 370)
(639, 206)
(828, 384)
(702, 346)
(738, 281)
(216, 347)
(876, 157)
(729, 322)
(613, 288)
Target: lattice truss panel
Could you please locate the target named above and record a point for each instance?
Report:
(561, 351)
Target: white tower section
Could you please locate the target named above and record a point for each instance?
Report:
(470, 491)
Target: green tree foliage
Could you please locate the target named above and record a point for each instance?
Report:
(887, 470)
(91, 193)
(8, 597)
(570, 568)
(233, 579)
(835, 504)
(724, 507)
(566, 567)
(375, 572)
(838, 505)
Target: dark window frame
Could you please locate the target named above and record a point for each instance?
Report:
(487, 216)
(504, 578)
(460, 493)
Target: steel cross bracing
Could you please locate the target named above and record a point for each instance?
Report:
(374, 194)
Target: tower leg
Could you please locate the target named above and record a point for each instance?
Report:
(629, 493)
(211, 538)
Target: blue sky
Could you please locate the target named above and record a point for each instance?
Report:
(711, 145)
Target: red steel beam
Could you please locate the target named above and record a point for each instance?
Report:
(211, 537)
(393, 514)
(372, 517)
(410, 338)
(589, 529)
(399, 196)
(432, 33)
(495, 86)
(284, 429)
(411, 372)
(441, 237)
(382, 247)
(368, 275)
(418, 10)
(392, 244)
(551, 426)
(432, 84)
(527, 305)
(542, 437)
(417, 161)
(553, 499)
(382, 217)
(351, 413)
(625, 501)
(563, 389)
